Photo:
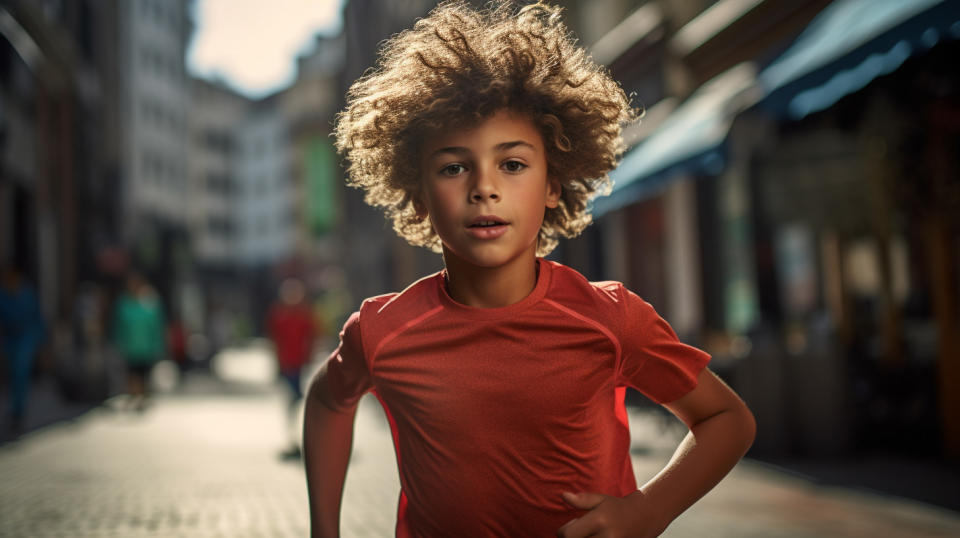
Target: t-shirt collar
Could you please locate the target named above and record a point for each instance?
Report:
(472, 312)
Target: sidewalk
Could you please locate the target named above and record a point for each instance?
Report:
(202, 461)
(199, 462)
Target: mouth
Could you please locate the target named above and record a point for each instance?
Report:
(487, 227)
(487, 221)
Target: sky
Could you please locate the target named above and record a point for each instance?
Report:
(252, 45)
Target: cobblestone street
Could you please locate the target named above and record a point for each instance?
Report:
(203, 461)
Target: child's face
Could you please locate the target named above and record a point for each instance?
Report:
(485, 189)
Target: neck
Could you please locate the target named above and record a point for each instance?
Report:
(490, 287)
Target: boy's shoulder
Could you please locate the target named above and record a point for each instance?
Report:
(420, 293)
(568, 284)
(384, 312)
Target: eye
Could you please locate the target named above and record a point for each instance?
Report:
(454, 169)
(514, 166)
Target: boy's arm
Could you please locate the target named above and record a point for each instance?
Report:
(721, 431)
(327, 440)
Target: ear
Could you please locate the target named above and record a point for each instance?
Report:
(554, 190)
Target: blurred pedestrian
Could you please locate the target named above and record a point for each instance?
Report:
(21, 332)
(177, 342)
(138, 333)
(293, 331)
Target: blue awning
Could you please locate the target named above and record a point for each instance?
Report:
(690, 140)
(849, 44)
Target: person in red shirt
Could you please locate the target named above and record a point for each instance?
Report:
(483, 134)
(291, 327)
(177, 342)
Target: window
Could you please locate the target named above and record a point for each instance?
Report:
(219, 141)
(218, 183)
(219, 225)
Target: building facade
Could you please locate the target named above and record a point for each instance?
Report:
(771, 208)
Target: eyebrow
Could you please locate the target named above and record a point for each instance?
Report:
(503, 146)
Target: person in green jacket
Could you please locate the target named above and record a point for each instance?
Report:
(138, 333)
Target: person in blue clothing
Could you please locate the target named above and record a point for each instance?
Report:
(21, 332)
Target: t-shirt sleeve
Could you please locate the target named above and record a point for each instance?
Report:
(653, 360)
(346, 374)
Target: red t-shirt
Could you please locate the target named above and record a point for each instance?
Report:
(292, 331)
(496, 411)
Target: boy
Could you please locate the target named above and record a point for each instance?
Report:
(483, 133)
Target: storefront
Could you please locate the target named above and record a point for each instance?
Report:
(826, 210)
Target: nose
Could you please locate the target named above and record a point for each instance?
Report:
(484, 187)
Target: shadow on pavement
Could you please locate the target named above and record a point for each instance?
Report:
(46, 407)
(931, 482)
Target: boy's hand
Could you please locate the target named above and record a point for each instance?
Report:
(610, 517)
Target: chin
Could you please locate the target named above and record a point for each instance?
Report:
(490, 256)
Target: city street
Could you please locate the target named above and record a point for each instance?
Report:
(204, 461)
(220, 184)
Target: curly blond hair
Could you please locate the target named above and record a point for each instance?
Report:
(464, 63)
